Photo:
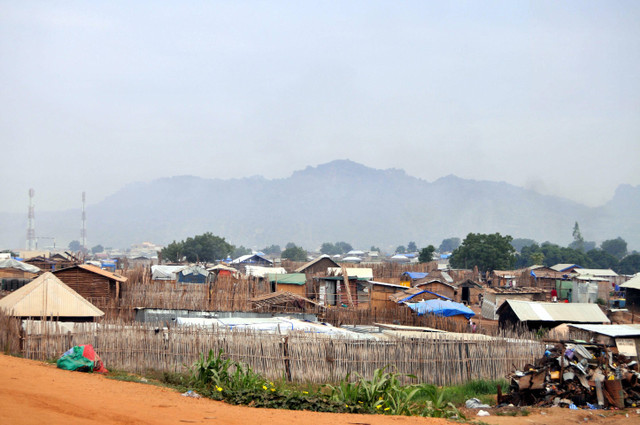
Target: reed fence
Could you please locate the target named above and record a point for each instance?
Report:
(297, 357)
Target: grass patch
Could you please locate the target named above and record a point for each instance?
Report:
(484, 390)
(159, 379)
(514, 412)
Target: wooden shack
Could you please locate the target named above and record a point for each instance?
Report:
(294, 283)
(414, 295)
(14, 269)
(47, 296)
(493, 298)
(97, 285)
(469, 292)
(380, 294)
(317, 266)
(439, 287)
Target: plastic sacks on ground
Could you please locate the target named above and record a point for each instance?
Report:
(82, 358)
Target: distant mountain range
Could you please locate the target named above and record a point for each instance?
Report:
(338, 201)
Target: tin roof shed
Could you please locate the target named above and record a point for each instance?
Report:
(48, 296)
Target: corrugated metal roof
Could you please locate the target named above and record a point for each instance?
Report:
(259, 271)
(556, 312)
(596, 272)
(288, 278)
(251, 258)
(633, 283)
(97, 270)
(562, 267)
(359, 272)
(613, 331)
(48, 296)
(312, 262)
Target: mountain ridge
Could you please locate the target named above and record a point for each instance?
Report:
(339, 200)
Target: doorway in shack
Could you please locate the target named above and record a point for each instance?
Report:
(465, 296)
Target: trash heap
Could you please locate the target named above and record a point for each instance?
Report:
(576, 376)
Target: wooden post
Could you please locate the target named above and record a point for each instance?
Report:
(345, 278)
(287, 361)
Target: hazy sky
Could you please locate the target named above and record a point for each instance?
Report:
(95, 95)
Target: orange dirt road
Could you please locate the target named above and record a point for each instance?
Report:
(38, 393)
(34, 393)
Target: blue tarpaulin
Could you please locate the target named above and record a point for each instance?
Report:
(415, 275)
(442, 308)
(408, 297)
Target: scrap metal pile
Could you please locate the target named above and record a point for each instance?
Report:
(576, 375)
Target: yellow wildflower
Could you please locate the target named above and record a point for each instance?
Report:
(387, 408)
(378, 406)
(305, 392)
(273, 389)
(264, 387)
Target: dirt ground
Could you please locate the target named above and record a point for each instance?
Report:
(39, 393)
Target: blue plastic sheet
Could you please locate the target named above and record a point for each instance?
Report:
(441, 308)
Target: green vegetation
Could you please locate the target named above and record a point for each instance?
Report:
(615, 247)
(629, 264)
(449, 245)
(514, 412)
(221, 378)
(519, 243)
(294, 253)
(75, 246)
(337, 248)
(488, 252)
(205, 247)
(218, 377)
(426, 254)
(272, 250)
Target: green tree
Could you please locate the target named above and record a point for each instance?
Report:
(426, 254)
(172, 252)
(272, 250)
(448, 245)
(629, 264)
(616, 247)
(75, 246)
(97, 249)
(578, 240)
(520, 243)
(294, 253)
(537, 258)
(206, 248)
(330, 249)
(240, 251)
(344, 247)
(374, 248)
(401, 250)
(602, 259)
(488, 252)
(411, 247)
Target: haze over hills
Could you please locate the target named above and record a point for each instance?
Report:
(340, 200)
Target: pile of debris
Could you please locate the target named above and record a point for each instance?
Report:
(576, 375)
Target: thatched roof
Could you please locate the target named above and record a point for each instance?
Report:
(280, 298)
